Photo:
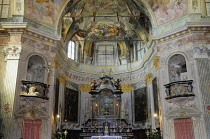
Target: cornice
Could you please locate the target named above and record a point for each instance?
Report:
(14, 25)
(189, 27)
(41, 36)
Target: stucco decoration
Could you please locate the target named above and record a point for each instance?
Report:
(31, 112)
(167, 10)
(56, 62)
(148, 78)
(201, 51)
(45, 11)
(126, 87)
(183, 111)
(63, 78)
(84, 87)
(156, 62)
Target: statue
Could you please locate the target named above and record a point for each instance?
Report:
(93, 85)
(117, 84)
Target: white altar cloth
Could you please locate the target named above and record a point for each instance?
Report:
(106, 137)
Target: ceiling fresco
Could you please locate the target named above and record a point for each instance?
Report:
(48, 11)
(44, 11)
(167, 10)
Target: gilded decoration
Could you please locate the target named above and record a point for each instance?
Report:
(156, 62)
(122, 47)
(126, 87)
(63, 78)
(88, 47)
(85, 87)
(56, 62)
(148, 78)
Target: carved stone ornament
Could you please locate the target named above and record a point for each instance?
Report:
(201, 51)
(148, 78)
(12, 52)
(183, 111)
(156, 62)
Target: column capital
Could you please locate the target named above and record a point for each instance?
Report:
(63, 78)
(156, 62)
(12, 52)
(148, 78)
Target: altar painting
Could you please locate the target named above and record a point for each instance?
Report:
(106, 105)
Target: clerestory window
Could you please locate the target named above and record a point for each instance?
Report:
(106, 55)
(71, 52)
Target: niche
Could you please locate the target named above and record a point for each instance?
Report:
(36, 69)
(177, 68)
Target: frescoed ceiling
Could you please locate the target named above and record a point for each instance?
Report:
(102, 19)
(48, 12)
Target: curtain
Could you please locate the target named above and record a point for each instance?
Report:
(31, 129)
(183, 129)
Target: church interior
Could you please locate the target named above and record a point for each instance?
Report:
(105, 69)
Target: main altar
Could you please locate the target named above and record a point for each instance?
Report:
(106, 121)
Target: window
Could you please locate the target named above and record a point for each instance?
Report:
(71, 50)
(4, 8)
(105, 55)
(139, 50)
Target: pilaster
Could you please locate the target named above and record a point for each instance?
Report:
(12, 56)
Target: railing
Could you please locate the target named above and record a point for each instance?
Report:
(34, 89)
(179, 89)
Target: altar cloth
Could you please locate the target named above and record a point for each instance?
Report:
(106, 137)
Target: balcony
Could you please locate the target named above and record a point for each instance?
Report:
(179, 91)
(34, 92)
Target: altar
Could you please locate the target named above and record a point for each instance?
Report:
(106, 137)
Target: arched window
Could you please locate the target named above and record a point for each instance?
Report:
(71, 52)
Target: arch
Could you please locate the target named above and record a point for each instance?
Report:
(35, 68)
(177, 68)
(181, 53)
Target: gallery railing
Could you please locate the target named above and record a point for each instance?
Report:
(34, 89)
(179, 89)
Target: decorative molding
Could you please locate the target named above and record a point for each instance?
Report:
(56, 62)
(148, 78)
(14, 25)
(183, 111)
(85, 88)
(189, 27)
(86, 67)
(156, 62)
(12, 52)
(31, 112)
(126, 87)
(63, 78)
